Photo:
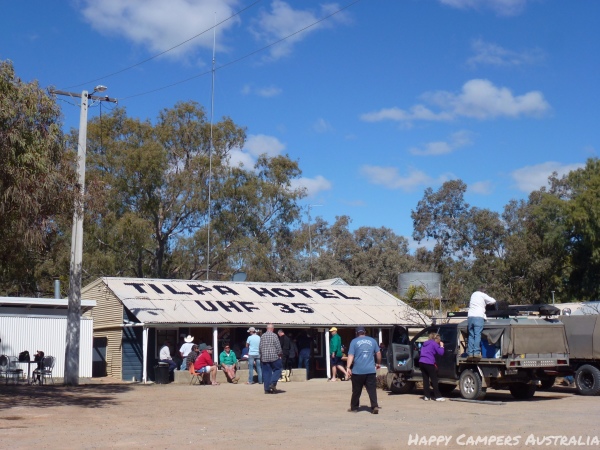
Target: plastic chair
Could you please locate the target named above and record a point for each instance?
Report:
(45, 371)
(195, 376)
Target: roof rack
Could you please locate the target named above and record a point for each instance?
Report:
(515, 310)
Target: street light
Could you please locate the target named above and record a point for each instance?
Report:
(71, 375)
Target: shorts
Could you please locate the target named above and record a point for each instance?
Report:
(204, 369)
(336, 361)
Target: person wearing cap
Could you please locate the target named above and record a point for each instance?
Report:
(335, 349)
(253, 343)
(270, 359)
(228, 361)
(364, 358)
(185, 350)
(204, 364)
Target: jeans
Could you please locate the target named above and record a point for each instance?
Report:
(251, 359)
(304, 359)
(475, 326)
(369, 381)
(171, 363)
(271, 372)
(184, 364)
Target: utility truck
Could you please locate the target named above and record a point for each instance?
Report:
(518, 353)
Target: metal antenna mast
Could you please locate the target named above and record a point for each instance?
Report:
(210, 150)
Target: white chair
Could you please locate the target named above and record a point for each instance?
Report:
(9, 367)
(45, 371)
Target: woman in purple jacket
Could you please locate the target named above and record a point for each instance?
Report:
(434, 346)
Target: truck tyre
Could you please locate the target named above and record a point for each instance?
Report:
(446, 388)
(470, 385)
(522, 391)
(587, 380)
(547, 383)
(399, 385)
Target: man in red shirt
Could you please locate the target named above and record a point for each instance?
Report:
(205, 365)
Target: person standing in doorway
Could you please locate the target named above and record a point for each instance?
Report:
(364, 358)
(335, 349)
(304, 350)
(286, 347)
(185, 350)
(270, 359)
(476, 319)
(253, 343)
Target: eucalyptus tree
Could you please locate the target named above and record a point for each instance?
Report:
(36, 181)
(149, 187)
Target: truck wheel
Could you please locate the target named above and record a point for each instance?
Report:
(446, 388)
(522, 391)
(547, 383)
(470, 385)
(399, 385)
(587, 380)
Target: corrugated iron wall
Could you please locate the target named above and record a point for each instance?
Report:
(32, 333)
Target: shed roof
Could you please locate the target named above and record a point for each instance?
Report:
(235, 303)
(42, 303)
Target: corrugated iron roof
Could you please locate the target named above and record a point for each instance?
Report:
(212, 302)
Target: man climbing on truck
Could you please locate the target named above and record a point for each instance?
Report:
(476, 319)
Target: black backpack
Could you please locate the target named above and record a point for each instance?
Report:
(24, 356)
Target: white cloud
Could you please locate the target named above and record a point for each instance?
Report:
(457, 140)
(417, 112)
(160, 25)
(238, 157)
(478, 99)
(487, 53)
(282, 21)
(390, 178)
(531, 178)
(257, 144)
(313, 186)
(268, 91)
(322, 126)
(501, 7)
(480, 187)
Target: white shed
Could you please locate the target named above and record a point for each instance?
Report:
(41, 324)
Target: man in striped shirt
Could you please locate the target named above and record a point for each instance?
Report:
(270, 359)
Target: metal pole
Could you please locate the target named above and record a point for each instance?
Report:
(309, 246)
(210, 152)
(71, 376)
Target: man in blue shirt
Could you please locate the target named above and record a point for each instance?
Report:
(364, 358)
(252, 343)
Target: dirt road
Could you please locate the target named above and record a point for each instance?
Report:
(308, 415)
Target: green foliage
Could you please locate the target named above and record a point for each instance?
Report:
(148, 198)
(36, 180)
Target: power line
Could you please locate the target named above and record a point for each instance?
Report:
(243, 57)
(165, 51)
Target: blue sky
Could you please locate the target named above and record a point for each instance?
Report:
(377, 102)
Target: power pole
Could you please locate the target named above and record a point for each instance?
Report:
(71, 376)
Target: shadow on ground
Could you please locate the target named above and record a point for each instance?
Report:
(85, 396)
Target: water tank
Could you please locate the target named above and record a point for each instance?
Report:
(431, 281)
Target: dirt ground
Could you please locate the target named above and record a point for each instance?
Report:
(310, 414)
